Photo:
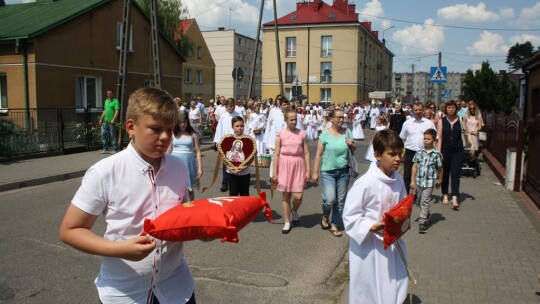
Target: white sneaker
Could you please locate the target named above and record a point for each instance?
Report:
(104, 152)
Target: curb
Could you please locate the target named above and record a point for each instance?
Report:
(58, 177)
(41, 180)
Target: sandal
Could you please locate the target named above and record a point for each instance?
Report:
(324, 222)
(455, 203)
(445, 200)
(335, 232)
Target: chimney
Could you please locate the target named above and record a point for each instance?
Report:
(221, 28)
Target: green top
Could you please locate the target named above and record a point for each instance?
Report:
(110, 107)
(336, 151)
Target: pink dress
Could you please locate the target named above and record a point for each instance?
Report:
(292, 165)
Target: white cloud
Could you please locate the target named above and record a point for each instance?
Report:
(529, 15)
(534, 39)
(489, 44)
(374, 8)
(506, 12)
(468, 13)
(417, 38)
(210, 15)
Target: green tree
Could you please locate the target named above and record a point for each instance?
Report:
(489, 91)
(519, 53)
(170, 12)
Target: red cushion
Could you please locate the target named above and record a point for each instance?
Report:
(220, 217)
(397, 220)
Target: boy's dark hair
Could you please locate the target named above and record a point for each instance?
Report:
(235, 119)
(431, 132)
(387, 139)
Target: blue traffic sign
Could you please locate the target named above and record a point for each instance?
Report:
(437, 75)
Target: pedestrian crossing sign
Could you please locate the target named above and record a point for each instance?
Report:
(437, 75)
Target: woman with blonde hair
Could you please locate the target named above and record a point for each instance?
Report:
(473, 123)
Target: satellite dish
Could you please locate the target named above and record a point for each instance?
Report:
(398, 100)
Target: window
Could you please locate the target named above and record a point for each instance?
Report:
(288, 93)
(3, 92)
(199, 52)
(290, 49)
(190, 51)
(326, 72)
(200, 79)
(87, 90)
(326, 95)
(189, 76)
(290, 71)
(119, 37)
(149, 84)
(326, 46)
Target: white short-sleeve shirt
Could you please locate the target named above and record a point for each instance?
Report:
(125, 190)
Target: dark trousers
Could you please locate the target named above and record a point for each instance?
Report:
(452, 164)
(225, 179)
(239, 184)
(407, 168)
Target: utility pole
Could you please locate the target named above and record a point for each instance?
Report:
(280, 76)
(412, 83)
(252, 73)
(439, 93)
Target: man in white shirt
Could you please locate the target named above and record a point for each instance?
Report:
(412, 134)
(239, 108)
(275, 123)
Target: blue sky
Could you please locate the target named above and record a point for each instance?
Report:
(466, 32)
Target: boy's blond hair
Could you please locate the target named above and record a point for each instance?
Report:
(153, 102)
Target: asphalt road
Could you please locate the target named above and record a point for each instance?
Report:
(306, 266)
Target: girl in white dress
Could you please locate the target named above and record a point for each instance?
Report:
(380, 125)
(358, 133)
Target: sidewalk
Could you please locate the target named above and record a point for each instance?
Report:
(38, 171)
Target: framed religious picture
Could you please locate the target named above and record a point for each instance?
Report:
(237, 150)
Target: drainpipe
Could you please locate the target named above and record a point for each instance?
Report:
(24, 46)
(309, 47)
(364, 69)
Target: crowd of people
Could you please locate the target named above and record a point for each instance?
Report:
(431, 144)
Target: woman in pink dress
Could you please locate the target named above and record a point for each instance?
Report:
(291, 168)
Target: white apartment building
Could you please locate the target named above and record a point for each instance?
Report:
(417, 86)
(230, 52)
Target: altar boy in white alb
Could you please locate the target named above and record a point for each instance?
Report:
(376, 275)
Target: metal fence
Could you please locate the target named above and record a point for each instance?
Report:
(531, 180)
(41, 130)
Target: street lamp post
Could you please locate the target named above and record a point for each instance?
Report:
(384, 41)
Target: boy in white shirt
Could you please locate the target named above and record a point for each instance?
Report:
(138, 183)
(377, 275)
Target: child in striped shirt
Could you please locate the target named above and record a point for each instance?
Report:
(426, 175)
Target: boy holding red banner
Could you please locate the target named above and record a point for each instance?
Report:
(138, 183)
(376, 275)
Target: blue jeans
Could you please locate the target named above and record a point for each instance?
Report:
(334, 191)
(106, 129)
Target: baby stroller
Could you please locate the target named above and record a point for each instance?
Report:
(471, 165)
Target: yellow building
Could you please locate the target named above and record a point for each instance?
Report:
(199, 68)
(328, 51)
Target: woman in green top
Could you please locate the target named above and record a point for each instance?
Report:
(333, 148)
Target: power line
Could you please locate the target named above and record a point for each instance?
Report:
(454, 26)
